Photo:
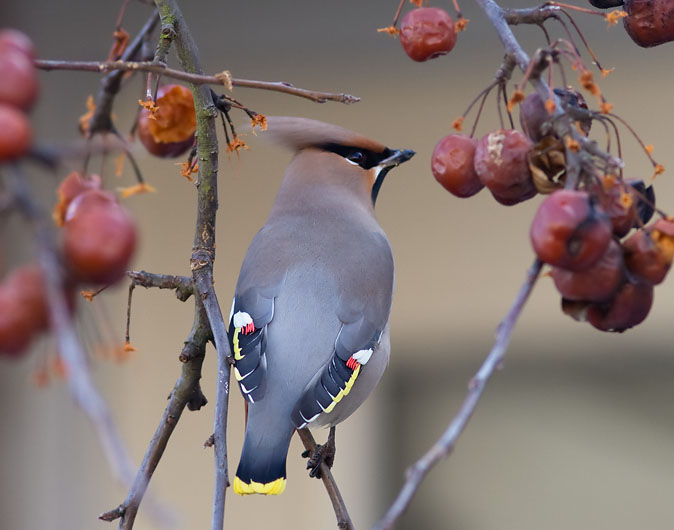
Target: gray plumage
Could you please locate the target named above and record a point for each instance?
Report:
(317, 282)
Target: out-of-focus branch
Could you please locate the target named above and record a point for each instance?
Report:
(101, 120)
(445, 444)
(195, 78)
(343, 519)
(186, 392)
(80, 382)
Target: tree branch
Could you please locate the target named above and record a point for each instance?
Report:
(79, 379)
(445, 444)
(186, 392)
(203, 254)
(194, 78)
(343, 519)
(183, 285)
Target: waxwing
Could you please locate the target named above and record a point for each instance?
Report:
(309, 325)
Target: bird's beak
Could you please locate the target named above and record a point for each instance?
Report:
(397, 157)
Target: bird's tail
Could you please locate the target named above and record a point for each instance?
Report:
(262, 468)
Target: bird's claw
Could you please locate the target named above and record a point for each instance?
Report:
(324, 453)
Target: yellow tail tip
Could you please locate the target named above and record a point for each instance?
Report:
(276, 487)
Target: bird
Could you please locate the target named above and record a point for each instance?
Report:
(309, 322)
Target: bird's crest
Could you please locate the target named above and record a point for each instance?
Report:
(299, 133)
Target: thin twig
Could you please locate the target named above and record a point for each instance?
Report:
(445, 444)
(186, 392)
(101, 121)
(183, 285)
(343, 519)
(196, 79)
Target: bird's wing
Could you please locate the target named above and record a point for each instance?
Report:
(356, 342)
(363, 311)
(251, 312)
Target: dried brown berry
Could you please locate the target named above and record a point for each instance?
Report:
(169, 132)
(15, 133)
(426, 33)
(452, 165)
(649, 22)
(501, 163)
(570, 231)
(99, 241)
(18, 79)
(629, 307)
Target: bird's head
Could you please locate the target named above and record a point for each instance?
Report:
(326, 151)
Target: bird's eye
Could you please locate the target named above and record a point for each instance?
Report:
(356, 157)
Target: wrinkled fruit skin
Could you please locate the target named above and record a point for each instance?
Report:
(15, 133)
(649, 22)
(596, 284)
(533, 113)
(569, 231)
(167, 119)
(501, 163)
(532, 116)
(628, 308)
(610, 196)
(99, 242)
(645, 259)
(18, 79)
(426, 33)
(452, 165)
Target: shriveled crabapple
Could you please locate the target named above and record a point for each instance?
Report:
(69, 188)
(23, 308)
(619, 201)
(598, 283)
(99, 240)
(569, 230)
(649, 22)
(426, 33)
(170, 132)
(649, 252)
(15, 133)
(18, 79)
(13, 39)
(629, 307)
(535, 118)
(501, 163)
(452, 165)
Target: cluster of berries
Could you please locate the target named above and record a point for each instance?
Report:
(99, 236)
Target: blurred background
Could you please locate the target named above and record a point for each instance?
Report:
(575, 432)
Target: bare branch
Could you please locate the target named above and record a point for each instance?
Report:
(182, 285)
(186, 392)
(343, 519)
(203, 253)
(445, 444)
(194, 78)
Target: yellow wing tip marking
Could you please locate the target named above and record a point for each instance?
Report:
(235, 344)
(345, 391)
(275, 487)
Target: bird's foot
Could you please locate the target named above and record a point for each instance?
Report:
(324, 453)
